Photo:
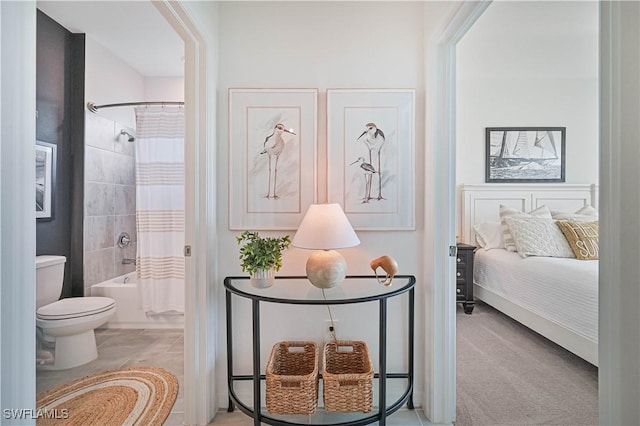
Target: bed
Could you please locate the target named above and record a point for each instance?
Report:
(556, 297)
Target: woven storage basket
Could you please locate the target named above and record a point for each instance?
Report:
(347, 374)
(292, 378)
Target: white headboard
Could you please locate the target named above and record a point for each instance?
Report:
(481, 203)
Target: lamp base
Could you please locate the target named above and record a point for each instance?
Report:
(326, 268)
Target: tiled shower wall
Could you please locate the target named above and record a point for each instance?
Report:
(109, 200)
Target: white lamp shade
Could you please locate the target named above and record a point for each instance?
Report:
(325, 227)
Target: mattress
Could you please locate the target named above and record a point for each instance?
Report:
(564, 291)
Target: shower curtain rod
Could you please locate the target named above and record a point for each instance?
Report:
(94, 108)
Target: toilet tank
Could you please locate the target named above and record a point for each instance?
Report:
(49, 279)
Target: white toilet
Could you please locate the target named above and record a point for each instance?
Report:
(67, 322)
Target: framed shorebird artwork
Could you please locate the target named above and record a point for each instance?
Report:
(370, 156)
(272, 157)
(525, 154)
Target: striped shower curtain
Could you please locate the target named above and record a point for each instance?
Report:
(160, 208)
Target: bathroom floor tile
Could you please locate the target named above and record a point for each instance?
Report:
(139, 343)
(104, 334)
(178, 346)
(173, 362)
(174, 419)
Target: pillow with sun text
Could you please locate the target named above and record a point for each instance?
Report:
(583, 238)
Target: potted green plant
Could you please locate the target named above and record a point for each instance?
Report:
(261, 257)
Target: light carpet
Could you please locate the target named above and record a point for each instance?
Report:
(127, 396)
(510, 375)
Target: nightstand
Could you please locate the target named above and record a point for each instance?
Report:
(464, 276)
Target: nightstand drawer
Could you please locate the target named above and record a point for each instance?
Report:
(461, 292)
(464, 258)
(464, 276)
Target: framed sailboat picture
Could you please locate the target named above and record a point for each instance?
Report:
(525, 154)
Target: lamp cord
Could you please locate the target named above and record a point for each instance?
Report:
(332, 329)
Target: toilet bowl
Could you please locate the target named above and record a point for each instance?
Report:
(68, 323)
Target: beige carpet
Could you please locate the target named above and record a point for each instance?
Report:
(128, 396)
(510, 375)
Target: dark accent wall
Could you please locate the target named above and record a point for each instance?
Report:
(60, 121)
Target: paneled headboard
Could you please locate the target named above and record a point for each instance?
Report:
(481, 203)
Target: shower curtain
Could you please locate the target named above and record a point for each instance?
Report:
(160, 208)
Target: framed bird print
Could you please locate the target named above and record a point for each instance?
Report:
(370, 156)
(272, 157)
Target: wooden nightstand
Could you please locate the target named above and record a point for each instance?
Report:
(464, 277)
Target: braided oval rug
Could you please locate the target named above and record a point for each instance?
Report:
(127, 396)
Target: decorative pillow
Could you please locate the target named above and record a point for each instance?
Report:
(583, 238)
(538, 237)
(588, 210)
(489, 235)
(584, 214)
(542, 211)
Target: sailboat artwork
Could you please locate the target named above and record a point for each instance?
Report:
(534, 154)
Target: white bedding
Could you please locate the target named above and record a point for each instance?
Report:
(564, 291)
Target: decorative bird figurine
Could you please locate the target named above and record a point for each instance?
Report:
(368, 173)
(389, 265)
(374, 140)
(273, 146)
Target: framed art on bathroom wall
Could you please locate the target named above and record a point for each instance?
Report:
(45, 179)
(370, 156)
(272, 157)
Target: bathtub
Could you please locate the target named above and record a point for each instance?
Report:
(129, 314)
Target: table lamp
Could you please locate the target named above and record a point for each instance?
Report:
(325, 228)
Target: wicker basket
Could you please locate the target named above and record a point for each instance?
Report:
(292, 378)
(347, 374)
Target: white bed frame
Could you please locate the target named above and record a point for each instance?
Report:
(481, 203)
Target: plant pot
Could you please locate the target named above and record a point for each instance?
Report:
(263, 278)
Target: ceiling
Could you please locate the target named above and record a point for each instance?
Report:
(134, 31)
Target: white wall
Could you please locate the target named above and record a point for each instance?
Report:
(163, 89)
(109, 80)
(529, 64)
(322, 45)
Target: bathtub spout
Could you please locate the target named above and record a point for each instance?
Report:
(127, 261)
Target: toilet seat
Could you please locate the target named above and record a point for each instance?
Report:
(74, 307)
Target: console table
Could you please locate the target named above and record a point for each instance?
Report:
(299, 291)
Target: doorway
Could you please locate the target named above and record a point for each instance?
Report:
(505, 82)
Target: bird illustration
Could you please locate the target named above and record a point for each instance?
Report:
(374, 140)
(273, 146)
(368, 173)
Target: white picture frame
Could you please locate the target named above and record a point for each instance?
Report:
(272, 168)
(370, 169)
(45, 164)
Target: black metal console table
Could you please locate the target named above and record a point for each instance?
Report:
(298, 291)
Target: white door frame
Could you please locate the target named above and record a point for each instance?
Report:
(200, 325)
(17, 213)
(440, 368)
(619, 318)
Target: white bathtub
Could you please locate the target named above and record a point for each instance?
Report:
(129, 314)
